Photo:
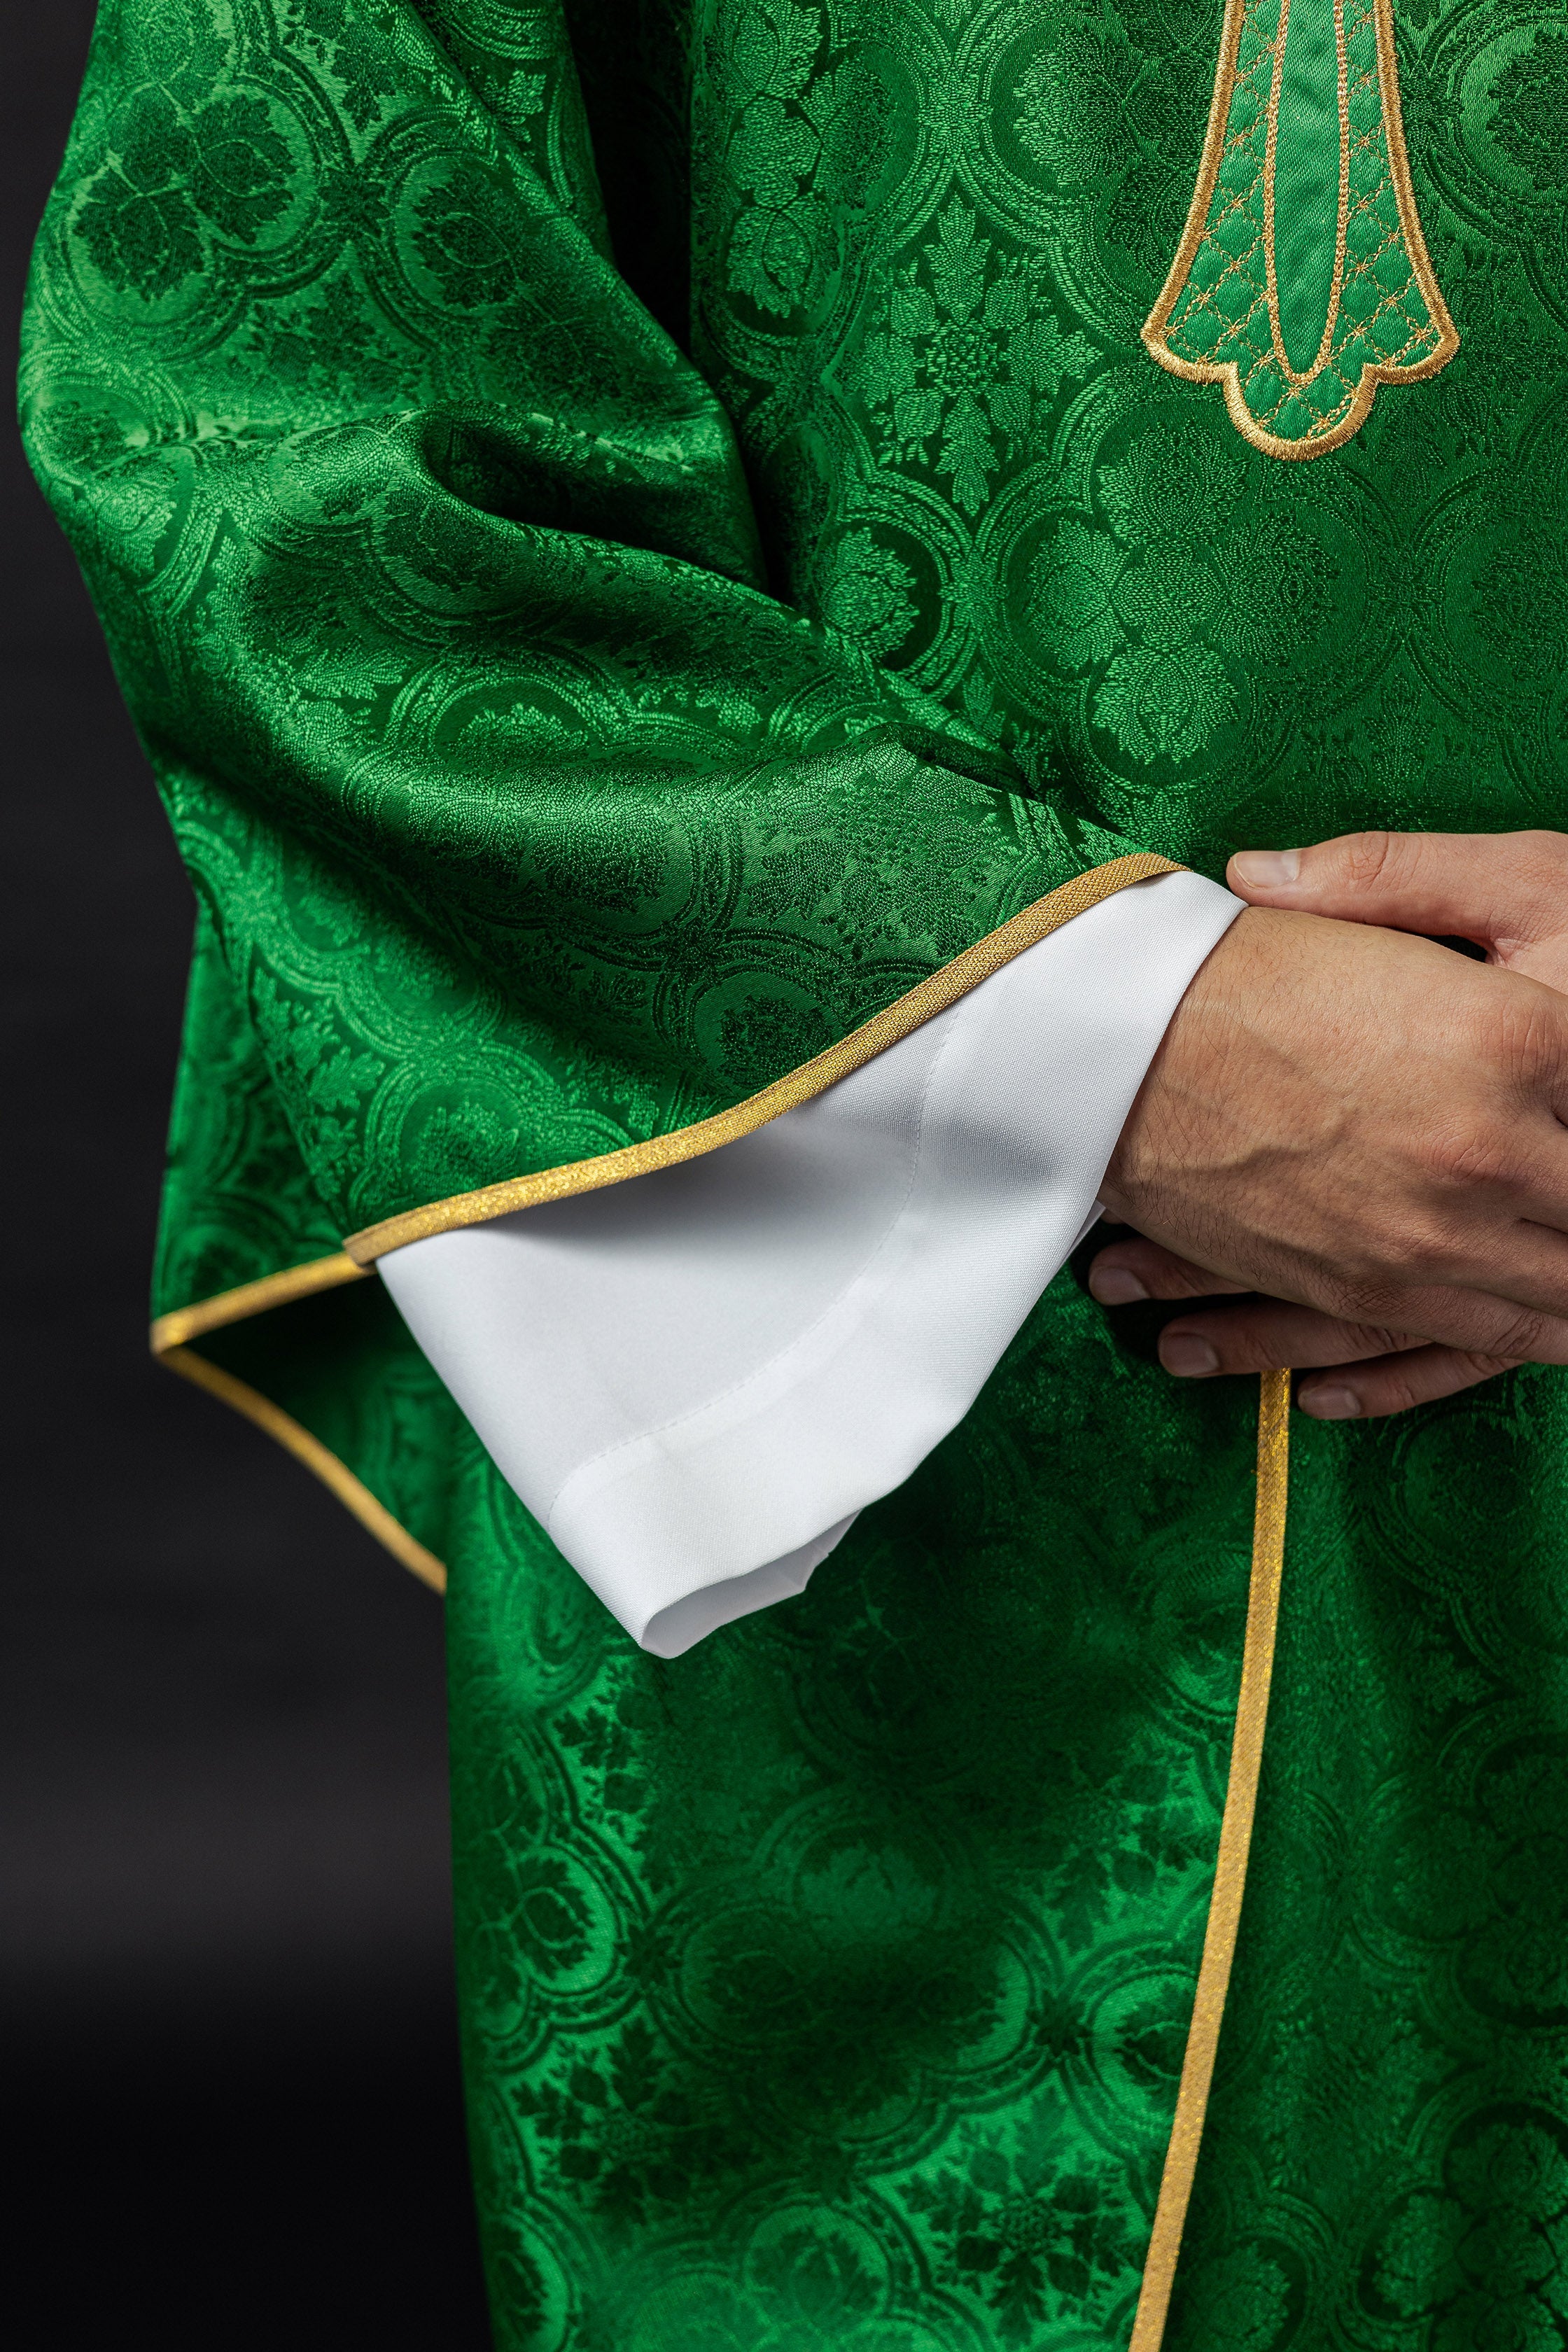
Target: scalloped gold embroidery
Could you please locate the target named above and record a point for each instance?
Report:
(1218, 317)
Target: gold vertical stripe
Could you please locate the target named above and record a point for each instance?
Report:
(292, 1436)
(1230, 1868)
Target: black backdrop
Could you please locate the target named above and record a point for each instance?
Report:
(229, 2109)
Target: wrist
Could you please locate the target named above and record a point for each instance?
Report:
(1194, 1059)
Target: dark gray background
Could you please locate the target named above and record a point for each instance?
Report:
(231, 2114)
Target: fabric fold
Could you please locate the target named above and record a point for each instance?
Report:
(696, 1380)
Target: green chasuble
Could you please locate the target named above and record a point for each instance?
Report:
(635, 535)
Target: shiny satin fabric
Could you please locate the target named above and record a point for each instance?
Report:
(629, 540)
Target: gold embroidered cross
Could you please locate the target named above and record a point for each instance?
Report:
(1302, 280)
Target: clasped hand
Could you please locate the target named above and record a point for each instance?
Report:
(1361, 1126)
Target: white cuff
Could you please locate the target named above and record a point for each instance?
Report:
(697, 1379)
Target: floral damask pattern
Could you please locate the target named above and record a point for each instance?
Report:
(1177, 583)
(1433, 2269)
(869, 595)
(964, 350)
(804, 120)
(1528, 120)
(573, 717)
(174, 178)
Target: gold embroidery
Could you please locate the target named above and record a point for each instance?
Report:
(1230, 1868)
(1217, 318)
(1342, 211)
(923, 1003)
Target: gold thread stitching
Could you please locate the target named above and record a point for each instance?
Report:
(1227, 372)
(1341, 221)
(1230, 1866)
(931, 997)
(298, 1441)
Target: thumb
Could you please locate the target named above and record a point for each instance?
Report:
(1498, 887)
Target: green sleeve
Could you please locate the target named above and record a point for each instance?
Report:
(525, 823)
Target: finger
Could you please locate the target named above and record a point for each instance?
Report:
(1394, 1383)
(1268, 1334)
(1512, 1301)
(1136, 1268)
(1504, 887)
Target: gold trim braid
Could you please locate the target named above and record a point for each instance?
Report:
(298, 1441)
(1230, 1868)
(254, 1299)
(909, 1013)
(1263, 1592)
(172, 1333)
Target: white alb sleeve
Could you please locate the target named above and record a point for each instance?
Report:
(696, 1378)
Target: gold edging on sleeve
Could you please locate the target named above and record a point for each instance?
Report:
(172, 1333)
(249, 1298)
(296, 1440)
(1230, 1868)
(930, 997)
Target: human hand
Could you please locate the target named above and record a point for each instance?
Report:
(1507, 892)
(1367, 1128)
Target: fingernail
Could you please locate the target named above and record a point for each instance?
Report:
(1184, 1352)
(1267, 869)
(1331, 1404)
(1115, 1286)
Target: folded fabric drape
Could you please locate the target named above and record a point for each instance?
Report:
(635, 535)
(697, 1379)
(529, 822)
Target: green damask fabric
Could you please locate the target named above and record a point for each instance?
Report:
(528, 823)
(630, 536)
(1304, 279)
